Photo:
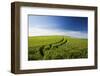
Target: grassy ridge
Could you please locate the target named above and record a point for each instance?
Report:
(43, 40)
(56, 47)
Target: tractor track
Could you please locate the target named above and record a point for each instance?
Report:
(53, 45)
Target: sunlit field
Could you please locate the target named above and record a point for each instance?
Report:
(56, 47)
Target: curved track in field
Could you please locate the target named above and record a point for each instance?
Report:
(53, 45)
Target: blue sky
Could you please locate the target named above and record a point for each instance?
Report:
(60, 25)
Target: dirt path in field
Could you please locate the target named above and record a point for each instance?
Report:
(54, 45)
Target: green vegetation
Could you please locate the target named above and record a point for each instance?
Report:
(56, 47)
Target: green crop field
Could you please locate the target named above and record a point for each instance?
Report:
(56, 47)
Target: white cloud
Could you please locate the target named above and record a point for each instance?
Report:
(44, 32)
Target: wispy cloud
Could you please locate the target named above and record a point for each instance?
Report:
(45, 32)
